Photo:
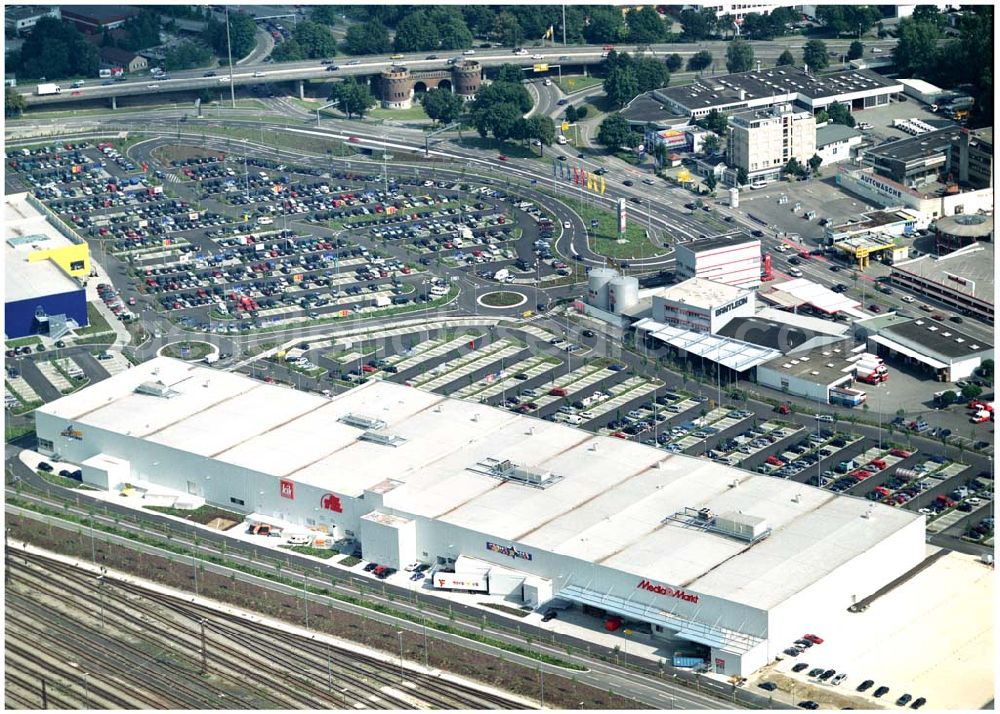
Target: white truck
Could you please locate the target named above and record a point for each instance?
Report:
(48, 88)
(501, 275)
(382, 301)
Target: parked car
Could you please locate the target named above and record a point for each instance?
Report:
(880, 691)
(768, 686)
(808, 704)
(918, 702)
(903, 700)
(865, 685)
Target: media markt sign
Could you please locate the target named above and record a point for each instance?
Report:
(70, 432)
(666, 590)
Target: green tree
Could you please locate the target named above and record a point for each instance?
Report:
(315, 40)
(615, 132)
(354, 99)
(700, 60)
(442, 105)
(711, 182)
(742, 177)
(541, 128)
(675, 62)
(581, 113)
(55, 49)
(947, 398)
(416, 33)
(986, 369)
(697, 24)
(645, 26)
(510, 73)
(367, 38)
(814, 163)
(739, 56)
(13, 104)
(971, 391)
(288, 51)
(794, 168)
(840, 114)
(785, 59)
(856, 51)
(915, 54)
(478, 18)
(454, 33)
(621, 86)
(570, 114)
(242, 35)
(507, 30)
(325, 14)
(715, 121)
(710, 144)
(970, 59)
(186, 55)
(605, 24)
(815, 56)
(651, 73)
(142, 31)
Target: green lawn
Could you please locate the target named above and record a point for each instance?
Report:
(604, 238)
(198, 350)
(507, 148)
(414, 112)
(97, 322)
(23, 341)
(578, 84)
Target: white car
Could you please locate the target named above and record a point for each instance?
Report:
(567, 224)
(299, 539)
(521, 53)
(469, 52)
(537, 57)
(258, 74)
(908, 298)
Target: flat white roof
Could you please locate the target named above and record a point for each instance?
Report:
(727, 351)
(26, 230)
(608, 503)
(806, 291)
(701, 293)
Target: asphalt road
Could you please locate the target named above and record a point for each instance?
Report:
(256, 72)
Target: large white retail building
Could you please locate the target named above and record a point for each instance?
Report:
(700, 554)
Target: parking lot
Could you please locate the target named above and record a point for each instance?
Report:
(887, 645)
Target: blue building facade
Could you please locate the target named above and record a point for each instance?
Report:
(19, 316)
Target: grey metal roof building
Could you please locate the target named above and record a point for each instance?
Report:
(729, 93)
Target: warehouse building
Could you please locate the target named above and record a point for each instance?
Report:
(824, 376)
(733, 259)
(44, 272)
(766, 88)
(962, 280)
(836, 142)
(932, 347)
(733, 563)
(94, 19)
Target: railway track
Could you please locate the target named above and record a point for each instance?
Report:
(143, 649)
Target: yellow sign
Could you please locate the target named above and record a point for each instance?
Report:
(540, 68)
(683, 175)
(564, 126)
(527, 313)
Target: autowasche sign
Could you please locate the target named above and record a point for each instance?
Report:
(666, 590)
(508, 550)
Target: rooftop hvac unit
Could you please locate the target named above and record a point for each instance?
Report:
(155, 389)
(361, 421)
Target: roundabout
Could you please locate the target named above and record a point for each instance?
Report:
(502, 299)
(187, 350)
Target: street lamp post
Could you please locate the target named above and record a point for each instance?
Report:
(399, 633)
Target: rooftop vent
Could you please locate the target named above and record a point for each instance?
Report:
(362, 422)
(385, 438)
(156, 389)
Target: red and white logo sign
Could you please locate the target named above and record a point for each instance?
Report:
(330, 502)
(666, 590)
(287, 489)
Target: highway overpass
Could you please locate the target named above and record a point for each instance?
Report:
(251, 74)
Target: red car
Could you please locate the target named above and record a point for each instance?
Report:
(814, 639)
(502, 157)
(354, 140)
(874, 308)
(900, 453)
(937, 316)
(775, 461)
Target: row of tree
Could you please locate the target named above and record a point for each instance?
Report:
(626, 76)
(425, 28)
(967, 60)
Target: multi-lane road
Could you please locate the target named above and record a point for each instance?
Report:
(257, 71)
